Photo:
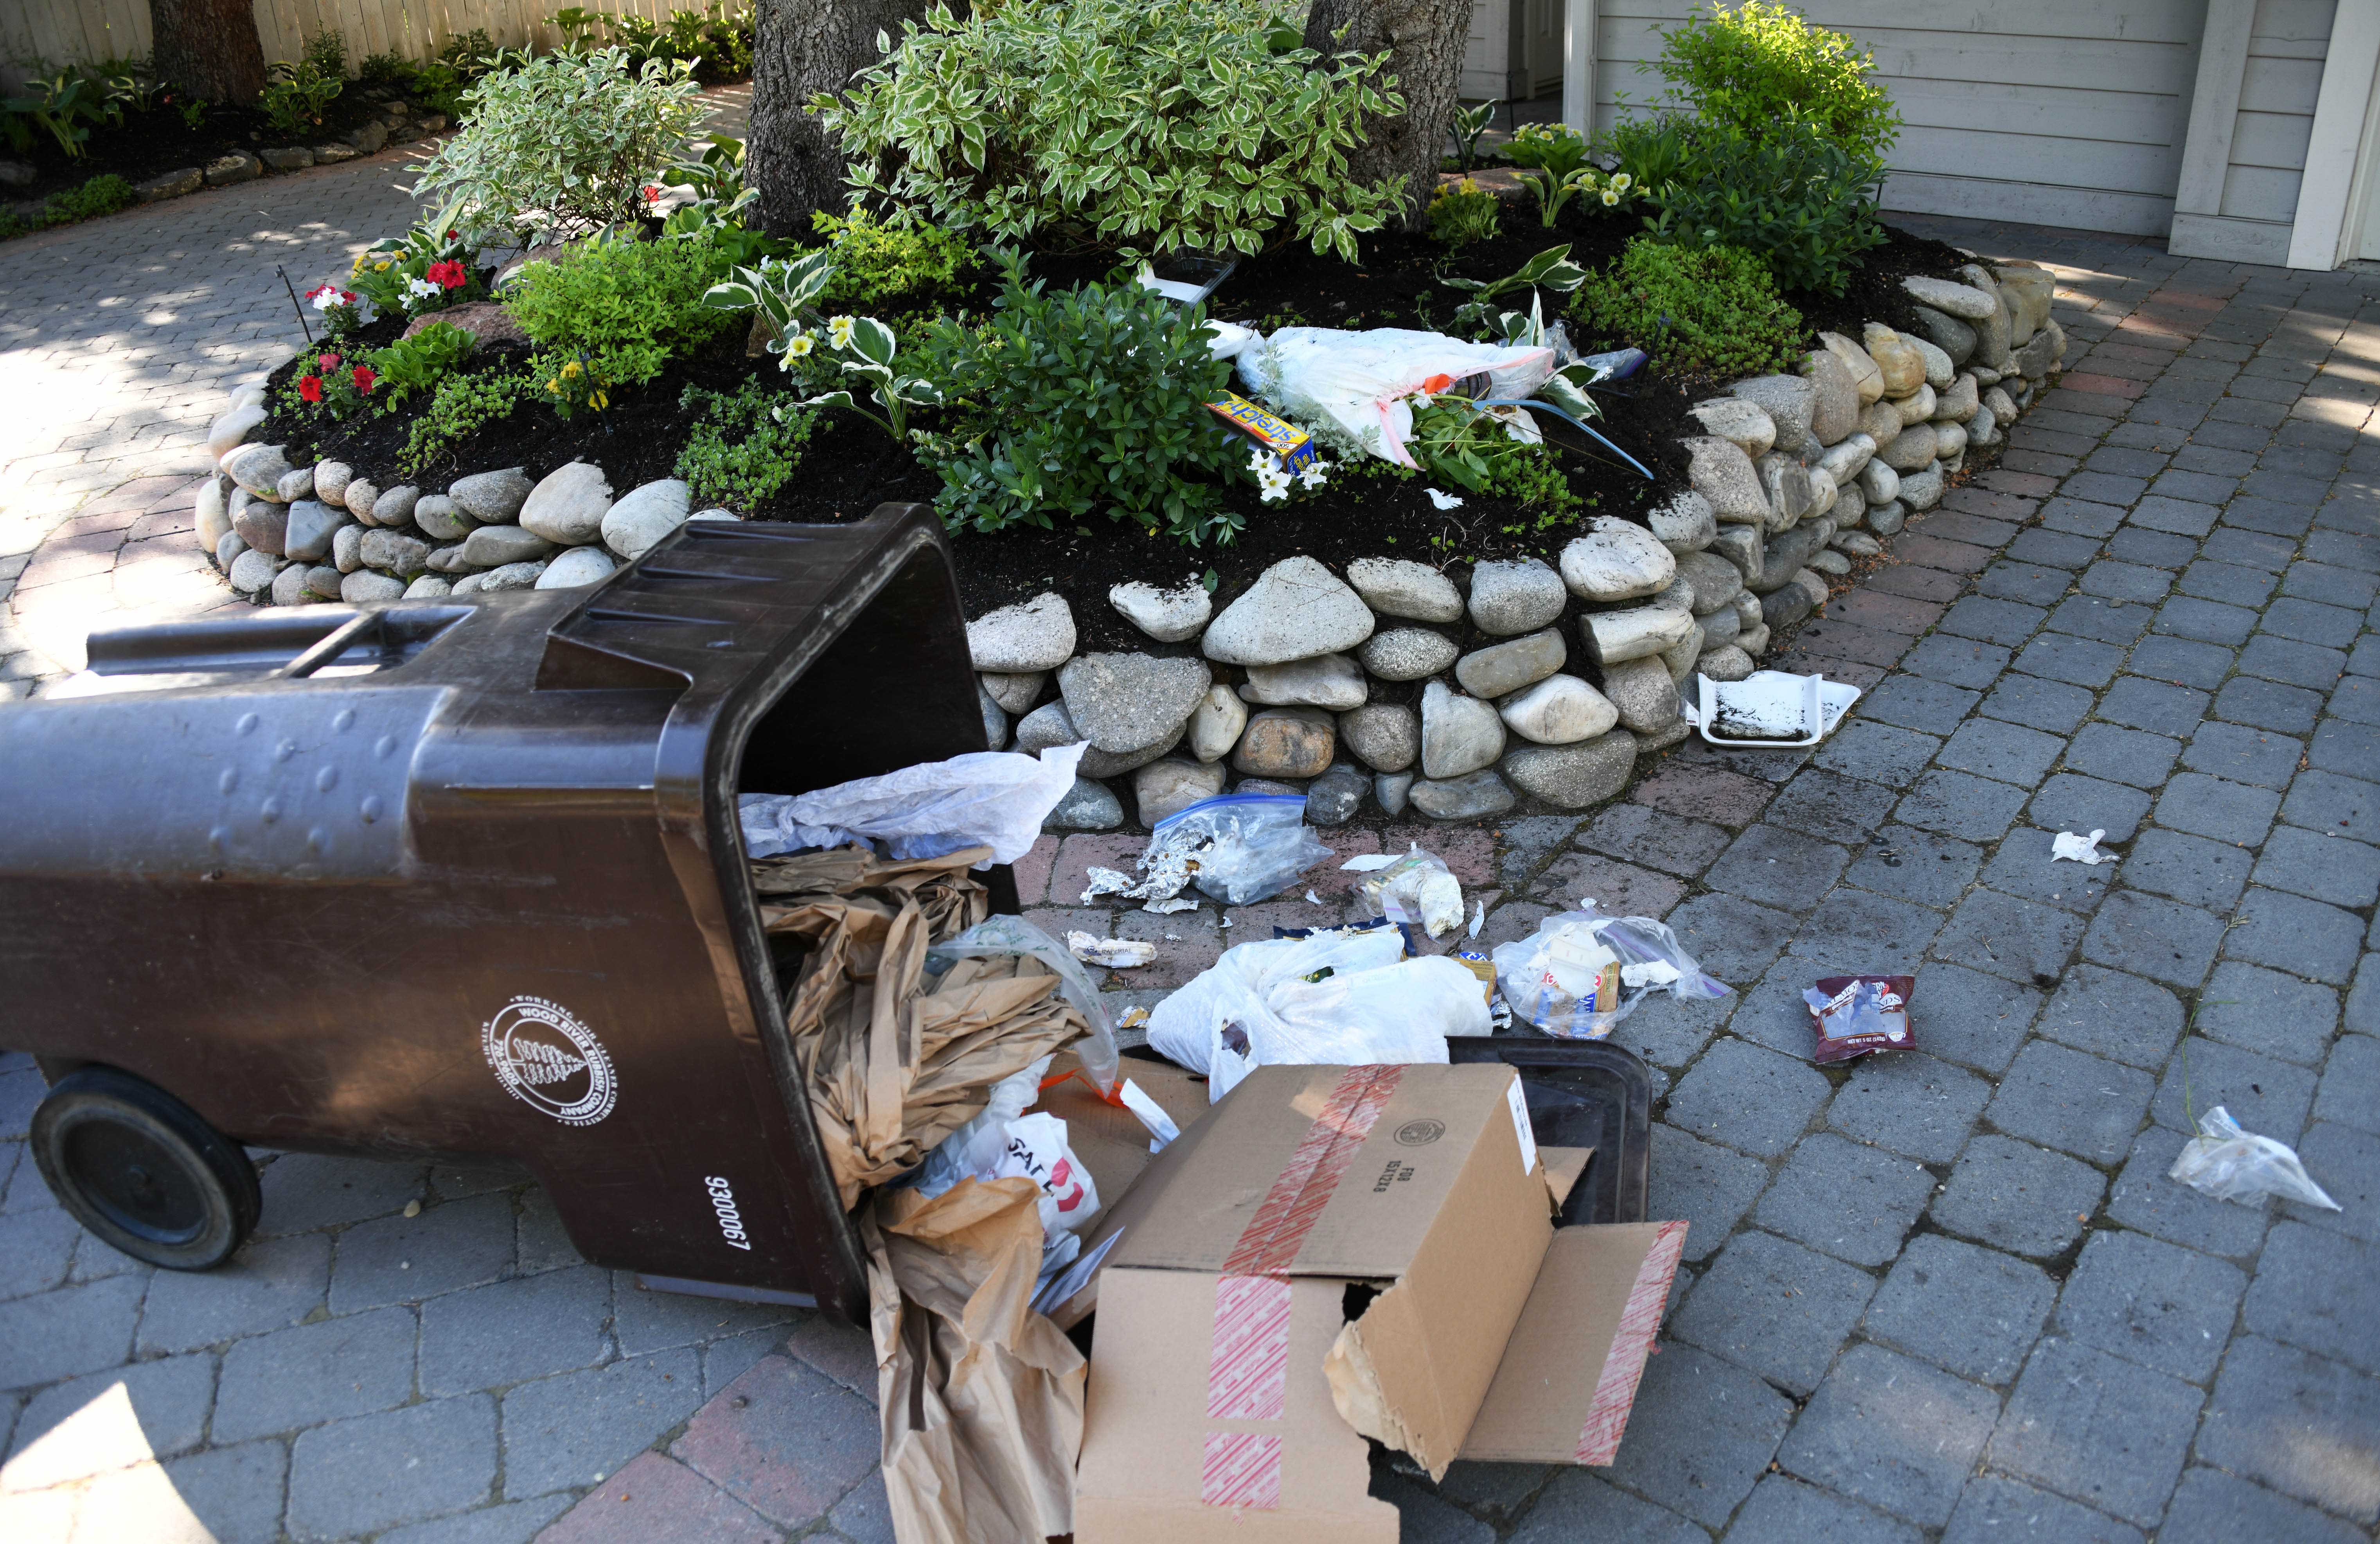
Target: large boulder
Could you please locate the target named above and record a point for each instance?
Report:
(1296, 610)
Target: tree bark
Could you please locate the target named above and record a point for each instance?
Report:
(208, 47)
(1424, 40)
(804, 47)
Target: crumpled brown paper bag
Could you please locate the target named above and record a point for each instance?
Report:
(892, 1067)
(980, 1398)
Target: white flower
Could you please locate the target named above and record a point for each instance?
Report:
(1272, 480)
(422, 289)
(1312, 477)
(1443, 501)
(838, 333)
(799, 344)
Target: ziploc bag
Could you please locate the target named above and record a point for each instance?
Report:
(1583, 971)
(1006, 934)
(1238, 849)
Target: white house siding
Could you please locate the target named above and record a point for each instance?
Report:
(2278, 91)
(2056, 111)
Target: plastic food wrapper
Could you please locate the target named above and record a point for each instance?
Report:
(1413, 886)
(1362, 380)
(1114, 954)
(1345, 997)
(1859, 1014)
(2230, 1164)
(995, 799)
(1583, 971)
(896, 1058)
(979, 1398)
(1238, 849)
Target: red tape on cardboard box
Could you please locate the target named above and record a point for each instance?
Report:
(1247, 1371)
(1615, 1390)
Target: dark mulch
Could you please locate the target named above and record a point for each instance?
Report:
(852, 467)
(152, 143)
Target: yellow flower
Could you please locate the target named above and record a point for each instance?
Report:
(554, 386)
(599, 399)
(800, 345)
(381, 267)
(1624, 182)
(838, 333)
(570, 370)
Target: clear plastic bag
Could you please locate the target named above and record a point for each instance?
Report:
(1006, 934)
(1362, 382)
(1343, 997)
(1413, 886)
(1238, 849)
(995, 799)
(2230, 1164)
(1583, 971)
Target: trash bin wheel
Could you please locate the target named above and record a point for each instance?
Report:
(141, 1169)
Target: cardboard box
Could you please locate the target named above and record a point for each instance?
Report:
(1335, 1253)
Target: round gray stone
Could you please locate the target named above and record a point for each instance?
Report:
(1612, 636)
(1407, 653)
(1016, 693)
(1469, 798)
(489, 498)
(264, 526)
(361, 494)
(1962, 301)
(1331, 681)
(1216, 723)
(566, 507)
(1121, 701)
(1296, 610)
(1385, 737)
(430, 586)
(258, 468)
(290, 587)
(1716, 581)
(512, 576)
(252, 571)
(324, 581)
(1559, 710)
(579, 567)
(394, 552)
(1395, 790)
(331, 480)
(1402, 587)
(1737, 419)
(296, 484)
(1722, 474)
(1642, 694)
(1036, 635)
(1515, 596)
(1171, 786)
(1911, 451)
(439, 518)
(348, 548)
(1333, 798)
(364, 587)
(1617, 559)
(1167, 616)
(394, 506)
(1505, 667)
(1726, 662)
(1789, 403)
(1088, 806)
(1834, 399)
(1574, 776)
(632, 526)
(1458, 734)
(1686, 523)
(495, 545)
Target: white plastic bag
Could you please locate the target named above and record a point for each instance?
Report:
(2230, 1164)
(976, 1146)
(1361, 380)
(1343, 997)
(1006, 934)
(1583, 971)
(1410, 887)
(995, 799)
(1002, 1143)
(1239, 848)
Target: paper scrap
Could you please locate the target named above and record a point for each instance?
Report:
(2083, 849)
(1117, 954)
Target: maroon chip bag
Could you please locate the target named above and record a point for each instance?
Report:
(1858, 1014)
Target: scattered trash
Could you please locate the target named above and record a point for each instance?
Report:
(1187, 278)
(1339, 997)
(1282, 441)
(1006, 1143)
(1161, 1128)
(1239, 848)
(1411, 886)
(1313, 899)
(1478, 915)
(901, 1043)
(1362, 382)
(1770, 709)
(1445, 1317)
(1131, 1019)
(1229, 339)
(1116, 953)
(2230, 1164)
(980, 1397)
(1856, 1015)
(995, 799)
(1583, 971)
(2083, 849)
(1443, 501)
(1163, 907)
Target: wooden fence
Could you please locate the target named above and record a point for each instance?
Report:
(58, 32)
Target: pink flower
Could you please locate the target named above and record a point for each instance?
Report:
(328, 361)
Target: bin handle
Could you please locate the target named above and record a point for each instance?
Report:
(328, 649)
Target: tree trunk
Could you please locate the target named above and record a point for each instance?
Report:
(1424, 40)
(208, 47)
(804, 47)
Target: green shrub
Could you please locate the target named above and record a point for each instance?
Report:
(745, 445)
(1799, 200)
(102, 195)
(388, 67)
(1144, 125)
(1751, 67)
(563, 141)
(1713, 312)
(298, 96)
(419, 362)
(1065, 403)
(462, 406)
(874, 263)
(626, 308)
(327, 51)
(1462, 212)
(1454, 442)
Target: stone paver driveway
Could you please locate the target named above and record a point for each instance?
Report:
(1947, 1295)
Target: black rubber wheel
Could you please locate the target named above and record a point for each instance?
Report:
(142, 1170)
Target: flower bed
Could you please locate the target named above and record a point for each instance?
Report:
(1465, 600)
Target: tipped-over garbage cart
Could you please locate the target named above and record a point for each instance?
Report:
(435, 880)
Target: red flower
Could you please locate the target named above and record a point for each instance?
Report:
(652, 193)
(310, 388)
(328, 361)
(449, 273)
(364, 378)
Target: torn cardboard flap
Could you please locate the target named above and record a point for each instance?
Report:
(1342, 1253)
